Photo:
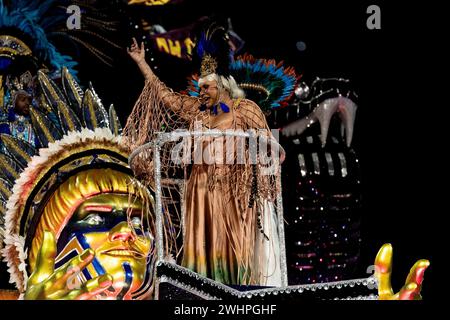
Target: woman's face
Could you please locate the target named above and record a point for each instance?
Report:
(23, 103)
(209, 93)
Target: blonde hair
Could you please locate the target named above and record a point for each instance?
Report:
(229, 84)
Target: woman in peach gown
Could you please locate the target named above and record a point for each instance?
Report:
(230, 223)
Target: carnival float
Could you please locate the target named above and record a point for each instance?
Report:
(93, 211)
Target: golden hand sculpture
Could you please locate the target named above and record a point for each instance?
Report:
(383, 270)
(47, 283)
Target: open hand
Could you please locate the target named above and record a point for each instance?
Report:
(46, 283)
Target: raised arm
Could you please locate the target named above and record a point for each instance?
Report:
(173, 100)
(138, 55)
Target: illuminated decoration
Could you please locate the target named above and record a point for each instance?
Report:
(75, 196)
(324, 212)
(178, 283)
(323, 209)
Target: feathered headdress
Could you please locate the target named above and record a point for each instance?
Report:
(268, 83)
(214, 51)
(264, 81)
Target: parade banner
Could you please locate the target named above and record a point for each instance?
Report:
(177, 42)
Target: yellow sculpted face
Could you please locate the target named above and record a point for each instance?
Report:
(116, 229)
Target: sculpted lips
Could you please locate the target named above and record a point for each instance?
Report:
(124, 252)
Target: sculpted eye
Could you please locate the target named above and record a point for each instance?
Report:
(94, 219)
(136, 222)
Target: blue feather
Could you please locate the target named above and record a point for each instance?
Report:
(32, 17)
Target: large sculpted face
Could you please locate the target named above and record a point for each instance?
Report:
(114, 227)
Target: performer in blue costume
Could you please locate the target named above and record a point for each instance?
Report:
(15, 119)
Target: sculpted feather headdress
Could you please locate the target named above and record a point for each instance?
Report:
(83, 136)
(83, 140)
